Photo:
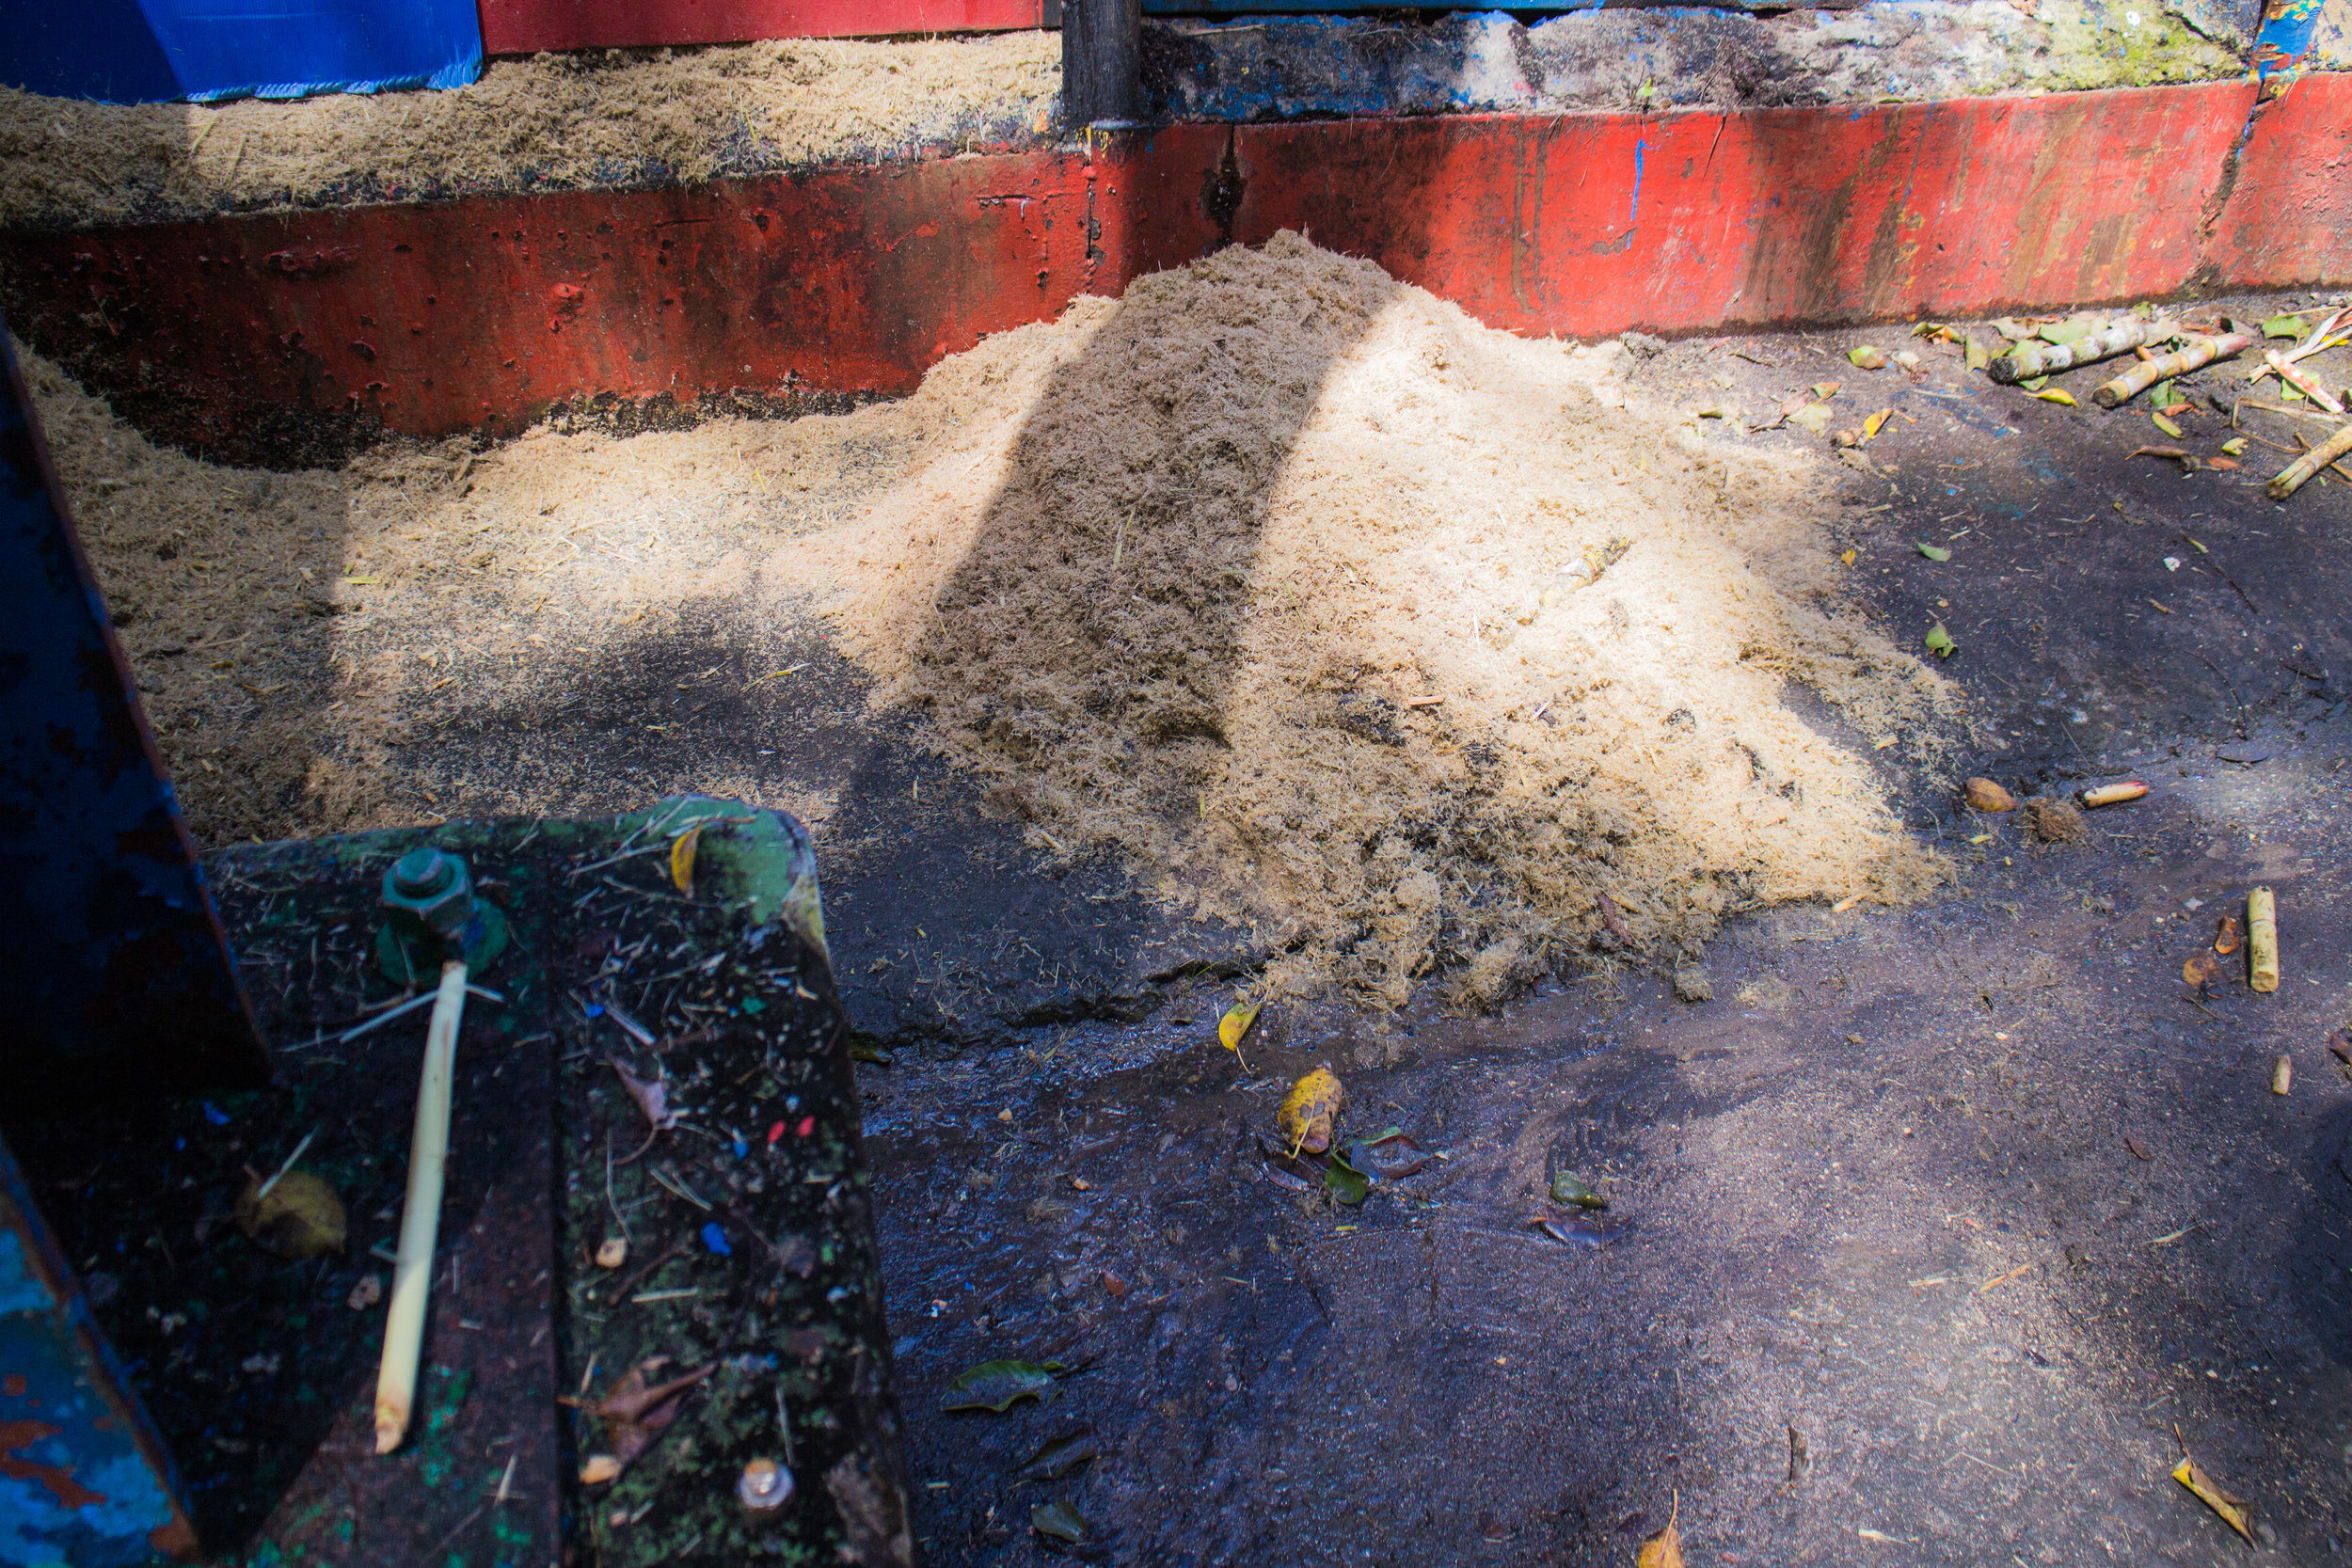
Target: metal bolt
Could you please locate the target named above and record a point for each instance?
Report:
(765, 1486)
(422, 872)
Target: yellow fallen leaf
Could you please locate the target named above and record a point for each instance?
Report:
(1235, 1024)
(2166, 425)
(1662, 1550)
(682, 860)
(2212, 1494)
(1876, 423)
(1846, 557)
(2056, 394)
(1309, 1114)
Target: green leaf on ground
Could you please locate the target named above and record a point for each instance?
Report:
(1813, 416)
(2162, 396)
(1062, 1455)
(1867, 358)
(2072, 330)
(1978, 356)
(1568, 1190)
(2167, 426)
(2283, 326)
(1345, 1183)
(1940, 642)
(1058, 1521)
(999, 1385)
(1933, 553)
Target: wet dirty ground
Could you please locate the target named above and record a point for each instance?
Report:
(1933, 1235)
(1944, 1230)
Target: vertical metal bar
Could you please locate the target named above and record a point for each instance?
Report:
(1101, 61)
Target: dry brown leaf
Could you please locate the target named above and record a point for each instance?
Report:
(300, 1216)
(1310, 1111)
(2202, 969)
(1664, 1549)
(2225, 935)
(1984, 795)
(652, 1100)
(2140, 1151)
(1235, 1024)
(2215, 1497)
(634, 1413)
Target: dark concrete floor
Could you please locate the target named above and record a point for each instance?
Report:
(1894, 1285)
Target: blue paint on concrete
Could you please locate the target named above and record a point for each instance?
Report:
(1639, 148)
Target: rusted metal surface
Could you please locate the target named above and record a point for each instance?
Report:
(281, 336)
(2286, 221)
(527, 26)
(84, 1480)
(118, 977)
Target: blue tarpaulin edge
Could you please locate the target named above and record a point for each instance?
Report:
(204, 52)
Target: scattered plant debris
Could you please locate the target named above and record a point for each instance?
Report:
(1309, 1115)
(295, 1214)
(998, 1385)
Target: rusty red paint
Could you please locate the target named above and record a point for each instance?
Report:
(18, 1435)
(856, 279)
(527, 26)
(2287, 216)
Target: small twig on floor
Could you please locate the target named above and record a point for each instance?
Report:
(673, 1251)
(2232, 689)
(609, 1199)
(459, 1530)
(2214, 562)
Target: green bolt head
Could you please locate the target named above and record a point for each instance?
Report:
(431, 914)
(430, 893)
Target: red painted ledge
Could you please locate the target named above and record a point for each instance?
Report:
(528, 26)
(439, 318)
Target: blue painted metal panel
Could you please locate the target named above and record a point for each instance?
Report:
(117, 975)
(157, 50)
(2284, 47)
(84, 1481)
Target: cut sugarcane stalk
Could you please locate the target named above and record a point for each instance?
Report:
(2262, 940)
(2032, 357)
(2292, 478)
(421, 1220)
(2138, 378)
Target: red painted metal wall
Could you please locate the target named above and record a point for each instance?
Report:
(527, 26)
(2287, 216)
(440, 318)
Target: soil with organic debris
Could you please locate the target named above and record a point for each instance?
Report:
(1945, 1226)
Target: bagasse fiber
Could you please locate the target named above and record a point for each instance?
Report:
(591, 119)
(1191, 562)
(1166, 575)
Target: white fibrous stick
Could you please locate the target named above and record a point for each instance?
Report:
(421, 1220)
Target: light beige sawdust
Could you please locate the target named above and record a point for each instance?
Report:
(1173, 577)
(317, 650)
(604, 119)
(1260, 577)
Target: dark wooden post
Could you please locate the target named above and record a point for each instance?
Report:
(1101, 61)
